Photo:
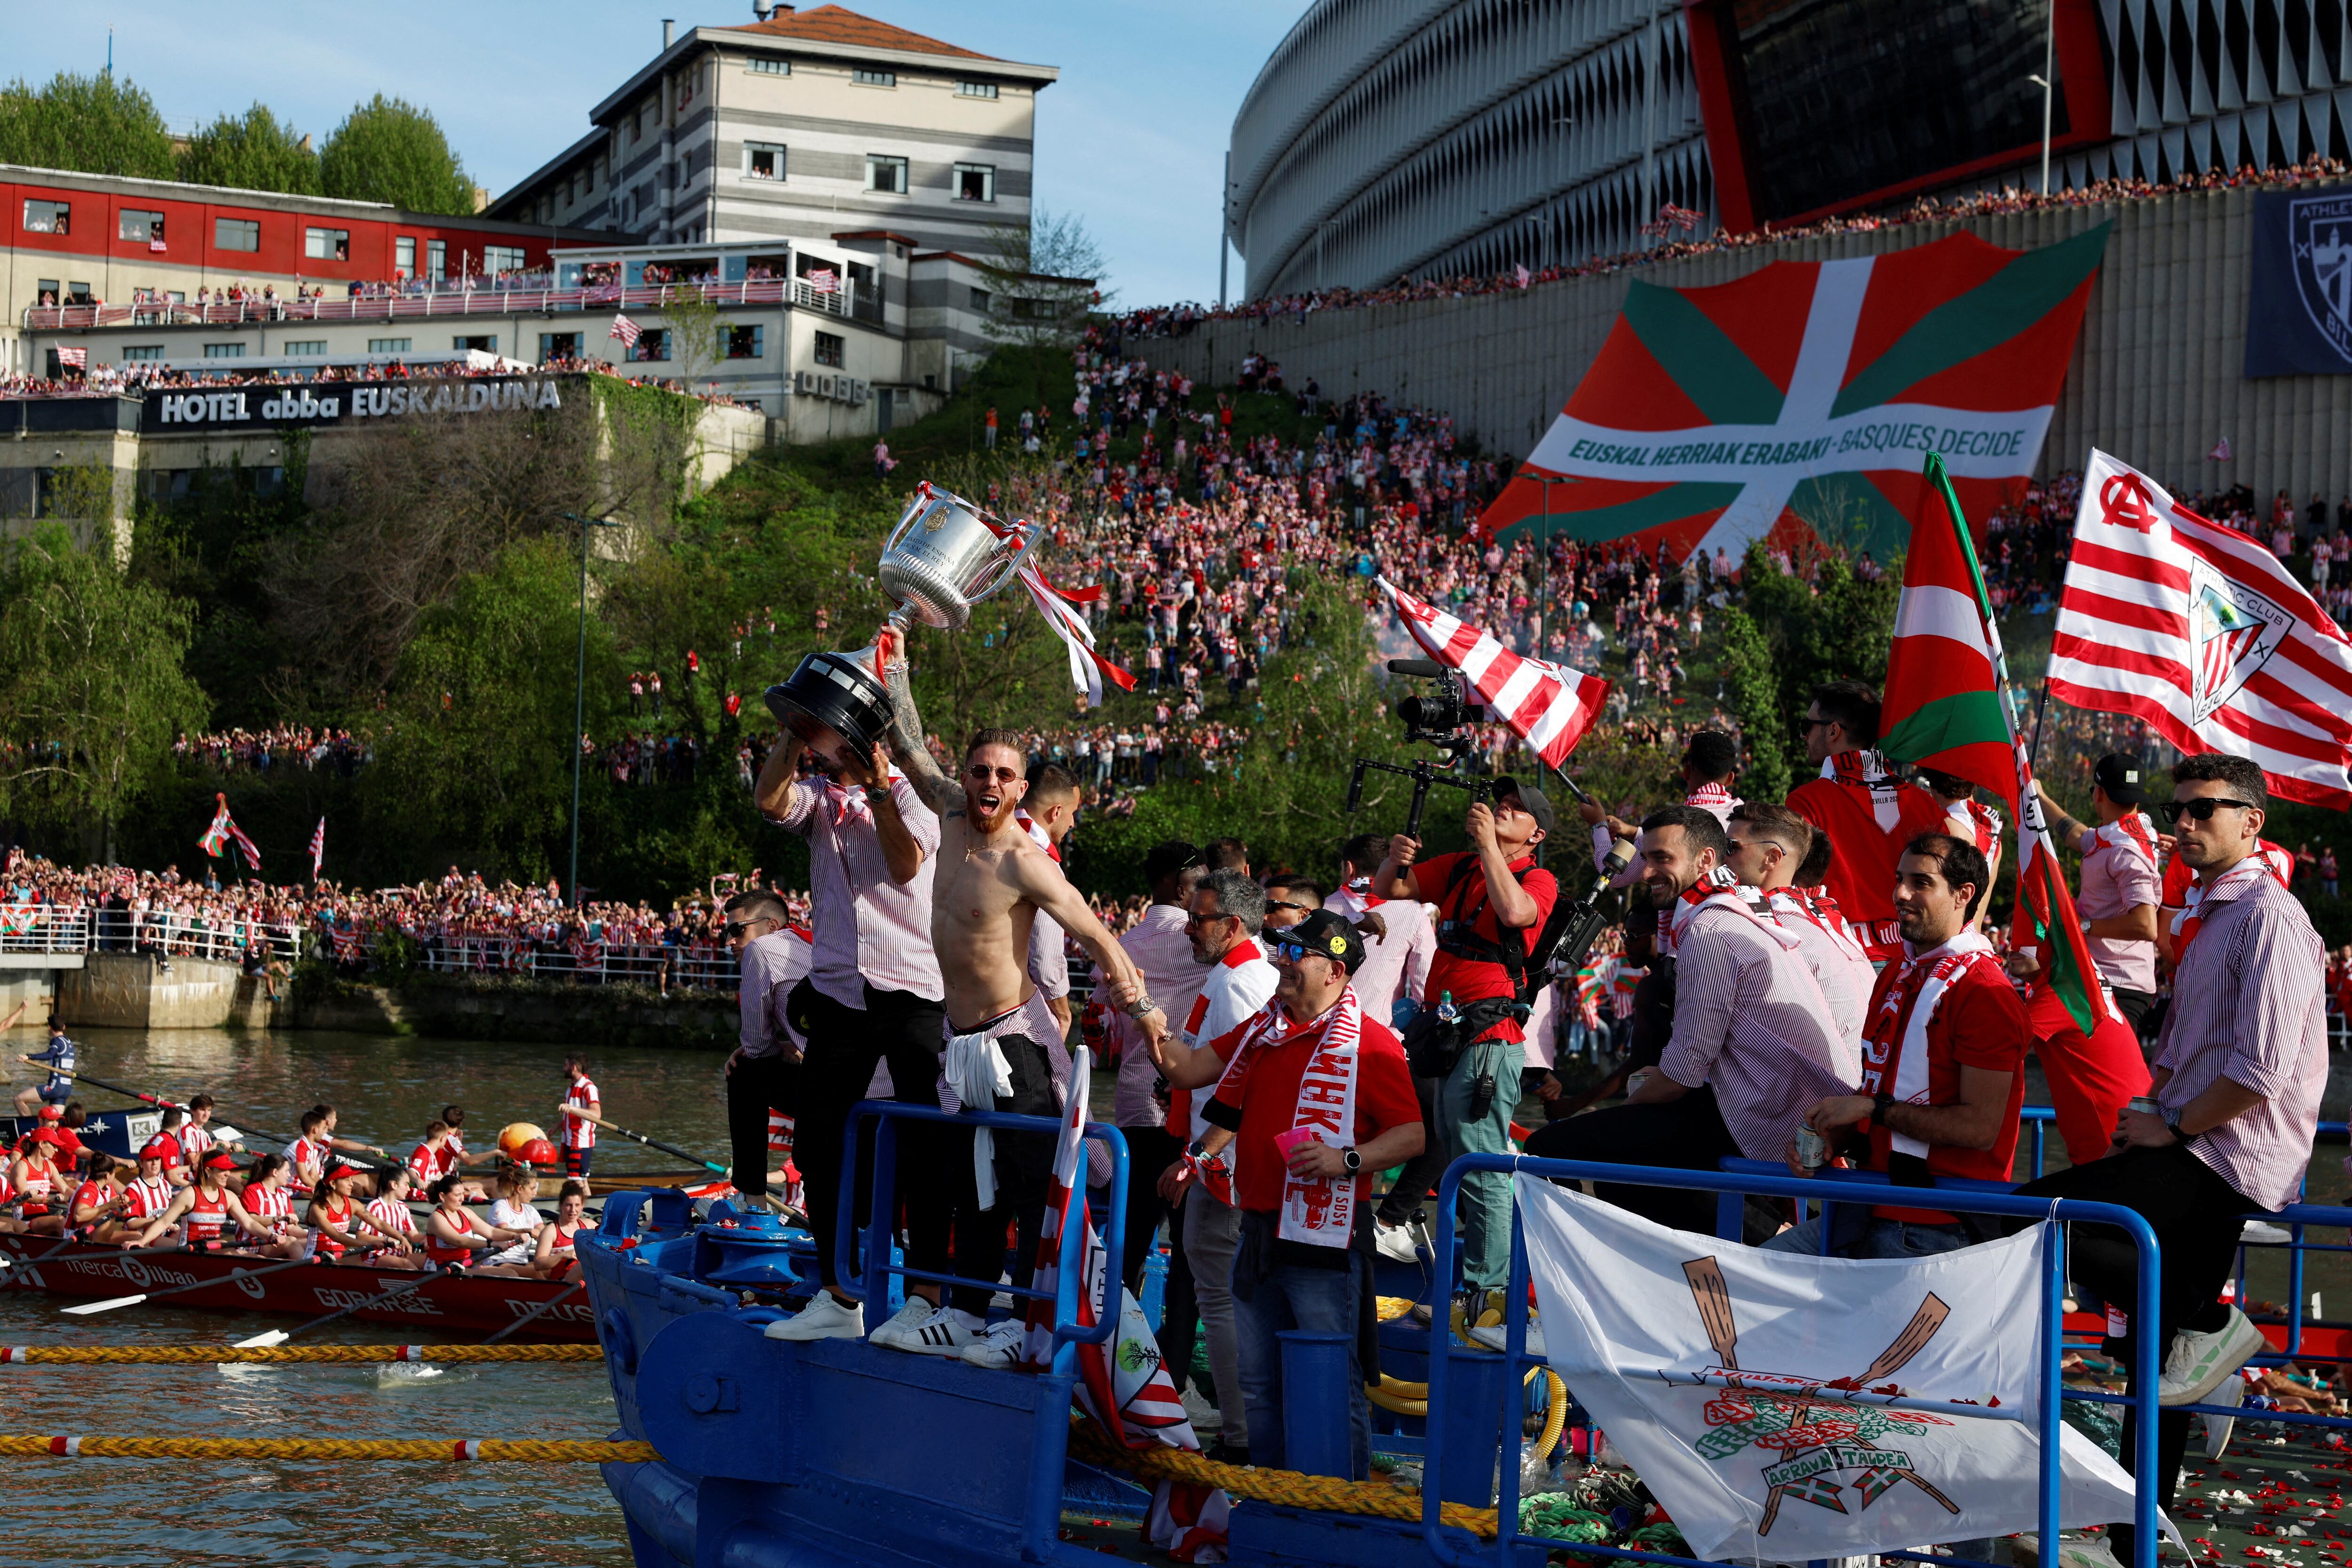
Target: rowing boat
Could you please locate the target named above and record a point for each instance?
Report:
(448, 1304)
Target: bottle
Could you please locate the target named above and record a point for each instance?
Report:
(1446, 1011)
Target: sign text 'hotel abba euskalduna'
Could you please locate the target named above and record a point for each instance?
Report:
(342, 402)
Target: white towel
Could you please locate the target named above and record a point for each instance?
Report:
(974, 1072)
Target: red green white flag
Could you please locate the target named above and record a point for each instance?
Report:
(1799, 398)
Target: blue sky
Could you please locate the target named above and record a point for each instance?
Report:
(1133, 138)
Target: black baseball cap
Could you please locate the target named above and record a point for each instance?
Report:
(1536, 803)
(2119, 776)
(1325, 932)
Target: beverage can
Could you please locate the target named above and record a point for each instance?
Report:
(1812, 1149)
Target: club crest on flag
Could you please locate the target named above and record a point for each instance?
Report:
(2233, 630)
(2319, 231)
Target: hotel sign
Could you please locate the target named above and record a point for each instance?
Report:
(313, 405)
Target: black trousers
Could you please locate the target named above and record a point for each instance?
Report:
(2195, 1215)
(1149, 1150)
(1684, 1134)
(757, 1085)
(845, 1044)
(1024, 1173)
(1423, 1170)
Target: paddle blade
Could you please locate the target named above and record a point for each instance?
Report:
(263, 1340)
(87, 1308)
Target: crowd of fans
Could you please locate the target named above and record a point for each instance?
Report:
(283, 745)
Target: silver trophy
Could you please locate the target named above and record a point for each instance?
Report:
(945, 556)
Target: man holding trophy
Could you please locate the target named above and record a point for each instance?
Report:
(989, 882)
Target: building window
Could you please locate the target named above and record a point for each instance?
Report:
(482, 342)
(975, 182)
(975, 89)
(832, 348)
(236, 234)
(142, 354)
(48, 217)
(652, 344)
(45, 290)
(883, 173)
(742, 342)
(762, 161)
(224, 351)
(404, 253)
(497, 258)
(326, 244)
(559, 345)
(865, 78)
(78, 294)
(387, 345)
(140, 227)
(304, 348)
(979, 301)
(437, 258)
(772, 68)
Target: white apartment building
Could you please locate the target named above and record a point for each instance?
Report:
(800, 124)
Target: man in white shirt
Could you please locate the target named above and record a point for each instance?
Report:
(877, 992)
(1228, 911)
(763, 1075)
(1769, 842)
(1049, 812)
(1160, 946)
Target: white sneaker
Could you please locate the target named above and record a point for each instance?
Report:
(2198, 1362)
(2262, 1233)
(1394, 1242)
(1492, 1336)
(1203, 1413)
(2219, 1428)
(824, 1318)
(922, 1329)
(998, 1346)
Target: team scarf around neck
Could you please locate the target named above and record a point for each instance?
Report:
(1319, 1211)
(1038, 835)
(1710, 796)
(1867, 771)
(2131, 831)
(2192, 918)
(1817, 909)
(1894, 1046)
(1721, 888)
(850, 804)
(1361, 887)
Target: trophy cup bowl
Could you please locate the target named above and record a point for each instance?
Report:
(945, 556)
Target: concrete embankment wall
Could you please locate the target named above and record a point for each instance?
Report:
(133, 990)
(548, 1015)
(2154, 379)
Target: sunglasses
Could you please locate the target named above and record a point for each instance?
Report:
(2201, 808)
(1807, 725)
(1285, 904)
(734, 929)
(1292, 951)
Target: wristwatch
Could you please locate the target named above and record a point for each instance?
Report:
(2171, 1115)
(1878, 1104)
(1352, 1159)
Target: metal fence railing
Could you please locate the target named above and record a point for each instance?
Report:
(39, 929)
(690, 967)
(839, 301)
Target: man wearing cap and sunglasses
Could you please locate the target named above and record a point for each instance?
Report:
(1492, 902)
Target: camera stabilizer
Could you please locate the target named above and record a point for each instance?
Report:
(1439, 720)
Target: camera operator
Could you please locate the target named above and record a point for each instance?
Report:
(1492, 902)
(1753, 1045)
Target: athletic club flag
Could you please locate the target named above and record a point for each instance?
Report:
(1549, 706)
(1802, 395)
(1942, 706)
(2200, 631)
(77, 357)
(825, 280)
(318, 848)
(626, 331)
(1756, 1393)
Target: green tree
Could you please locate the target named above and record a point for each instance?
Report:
(1045, 275)
(1755, 693)
(391, 151)
(252, 152)
(98, 124)
(92, 691)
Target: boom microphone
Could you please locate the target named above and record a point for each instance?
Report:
(1427, 668)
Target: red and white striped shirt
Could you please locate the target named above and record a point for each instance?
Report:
(579, 1132)
(427, 1164)
(392, 1215)
(150, 1195)
(270, 1205)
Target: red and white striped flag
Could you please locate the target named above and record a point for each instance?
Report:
(2200, 631)
(825, 280)
(625, 329)
(318, 848)
(77, 357)
(1549, 706)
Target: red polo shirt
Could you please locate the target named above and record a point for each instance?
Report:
(1263, 1091)
(1476, 978)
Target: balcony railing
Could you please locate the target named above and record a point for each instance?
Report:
(844, 301)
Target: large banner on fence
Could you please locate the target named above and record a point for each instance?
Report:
(1805, 396)
(1705, 1361)
(2299, 287)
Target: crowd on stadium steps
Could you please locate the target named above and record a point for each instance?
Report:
(1170, 321)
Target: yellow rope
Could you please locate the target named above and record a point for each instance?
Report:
(1328, 1494)
(433, 1449)
(208, 1355)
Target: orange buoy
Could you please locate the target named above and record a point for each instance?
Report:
(515, 1134)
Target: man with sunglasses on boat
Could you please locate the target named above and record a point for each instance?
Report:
(2227, 1123)
(1318, 1099)
(764, 1072)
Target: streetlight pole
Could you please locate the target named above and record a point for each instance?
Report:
(2049, 75)
(580, 690)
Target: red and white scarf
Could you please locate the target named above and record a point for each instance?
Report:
(1817, 909)
(851, 803)
(1318, 1210)
(1712, 797)
(1720, 888)
(1361, 889)
(1895, 1045)
(1038, 835)
(2185, 925)
(2130, 833)
(1867, 770)
(1980, 823)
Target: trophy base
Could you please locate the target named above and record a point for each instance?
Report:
(833, 703)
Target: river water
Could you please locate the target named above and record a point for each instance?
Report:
(131, 1513)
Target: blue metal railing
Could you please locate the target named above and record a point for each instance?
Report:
(1453, 1545)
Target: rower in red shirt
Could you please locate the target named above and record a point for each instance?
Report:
(150, 1192)
(213, 1215)
(1320, 1099)
(96, 1211)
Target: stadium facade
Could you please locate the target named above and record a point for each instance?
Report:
(1429, 138)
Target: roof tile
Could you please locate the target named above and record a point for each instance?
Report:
(836, 24)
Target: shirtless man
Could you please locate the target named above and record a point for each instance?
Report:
(990, 883)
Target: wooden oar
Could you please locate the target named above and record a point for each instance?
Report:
(641, 1138)
(158, 1100)
(280, 1336)
(87, 1308)
(566, 1293)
